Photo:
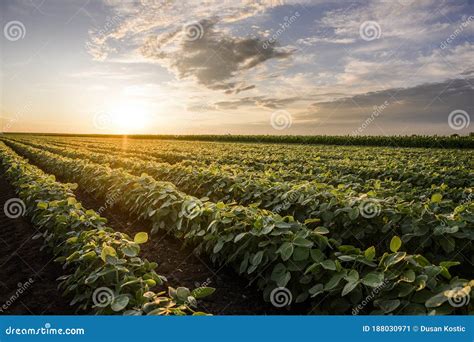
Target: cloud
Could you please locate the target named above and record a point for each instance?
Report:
(418, 20)
(427, 104)
(214, 58)
(256, 101)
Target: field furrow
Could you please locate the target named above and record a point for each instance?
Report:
(272, 250)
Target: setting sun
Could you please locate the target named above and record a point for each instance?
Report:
(292, 163)
(129, 117)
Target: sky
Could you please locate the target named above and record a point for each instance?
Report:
(397, 67)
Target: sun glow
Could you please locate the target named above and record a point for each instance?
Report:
(128, 118)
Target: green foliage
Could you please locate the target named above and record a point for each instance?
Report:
(94, 256)
(316, 252)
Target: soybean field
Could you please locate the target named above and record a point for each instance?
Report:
(143, 226)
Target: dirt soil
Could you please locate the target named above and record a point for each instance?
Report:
(182, 267)
(21, 259)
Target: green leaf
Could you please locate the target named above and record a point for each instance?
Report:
(286, 250)
(353, 213)
(300, 254)
(202, 292)
(349, 287)
(42, 205)
(388, 305)
(321, 230)
(120, 302)
(394, 258)
(436, 300)
(284, 279)
(141, 237)
(301, 242)
(239, 237)
(334, 281)
(328, 265)
(131, 250)
(257, 258)
(373, 279)
(311, 220)
(395, 244)
(370, 253)
(218, 246)
(316, 255)
(436, 198)
(409, 276)
(183, 293)
(278, 271)
(352, 276)
(107, 251)
(316, 289)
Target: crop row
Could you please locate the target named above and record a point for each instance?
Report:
(244, 187)
(415, 167)
(435, 225)
(105, 273)
(275, 250)
(396, 141)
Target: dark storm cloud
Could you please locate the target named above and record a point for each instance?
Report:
(426, 103)
(215, 58)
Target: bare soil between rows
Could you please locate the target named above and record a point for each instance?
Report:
(21, 258)
(182, 267)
